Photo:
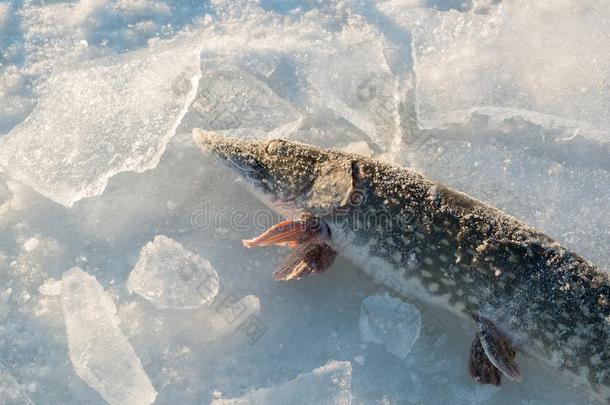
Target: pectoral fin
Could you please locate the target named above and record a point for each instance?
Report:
(289, 233)
(481, 369)
(311, 257)
(498, 351)
(306, 237)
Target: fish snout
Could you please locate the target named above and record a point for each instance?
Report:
(242, 155)
(208, 140)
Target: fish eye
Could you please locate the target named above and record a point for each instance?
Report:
(277, 147)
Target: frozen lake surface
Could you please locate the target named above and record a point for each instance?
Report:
(123, 279)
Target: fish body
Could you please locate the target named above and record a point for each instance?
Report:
(421, 238)
(456, 252)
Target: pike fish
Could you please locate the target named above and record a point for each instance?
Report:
(524, 291)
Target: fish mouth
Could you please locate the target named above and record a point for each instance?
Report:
(213, 141)
(242, 156)
(222, 147)
(247, 159)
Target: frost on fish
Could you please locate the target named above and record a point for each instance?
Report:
(390, 322)
(170, 276)
(109, 116)
(100, 353)
(327, 385)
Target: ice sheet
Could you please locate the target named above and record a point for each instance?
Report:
(365, 94)
(232, 99)
(508, 55)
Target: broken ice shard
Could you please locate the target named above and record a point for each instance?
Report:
(391, 322)
(170, 276)
(363, 93)
(110, 116)
(329, 384)
(100, 353)
(231, 99)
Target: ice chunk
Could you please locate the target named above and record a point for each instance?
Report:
(100, 353)
(391, 322)
(230, 98)
(329, 384)
(10, 391)
(170, 276)
(363, 93)
(110, 116)
(510, 56)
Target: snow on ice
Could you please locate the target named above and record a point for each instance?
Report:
(329, 384)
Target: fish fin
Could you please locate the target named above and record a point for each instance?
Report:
(481, 369)
(497, 348)
(289, 233)
(311, 257)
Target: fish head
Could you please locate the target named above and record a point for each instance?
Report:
(289, 176)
